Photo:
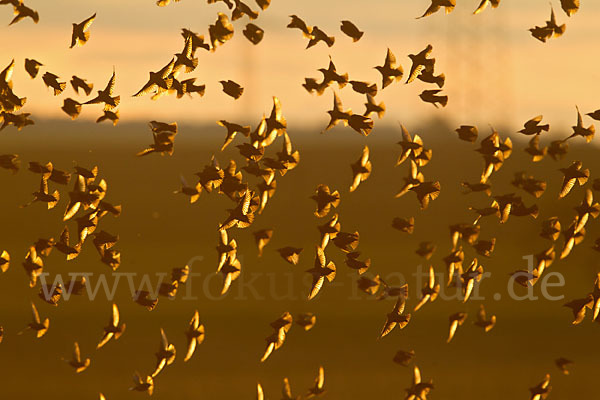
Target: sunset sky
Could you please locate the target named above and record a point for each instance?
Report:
(496, 72)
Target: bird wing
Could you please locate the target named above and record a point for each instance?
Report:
(34, 311)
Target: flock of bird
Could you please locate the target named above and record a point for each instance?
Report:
(87, 205)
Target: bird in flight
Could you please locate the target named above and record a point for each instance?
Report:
(321, 271)
(319, 386)
(542, 389)
(114, 329)
(456, 320)
(40, 328)
(80, 34)
(361, 169)
(437, 4)
(396, 317)
(106, 96)
(165, 355)
(351, 30)
(484, 3)
(76, 362)
(419, 389)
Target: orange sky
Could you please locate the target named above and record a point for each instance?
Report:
(496, 72)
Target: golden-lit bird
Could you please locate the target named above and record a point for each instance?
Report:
(32, 67)
(351, 30)
(225, 248)
(106, 96)
(306, 320)
(529, 184)
(317, 35)
(242, 9)
(76, 362)
(232, 89)
(542, 389)
(404, 358)
(163, 135)
(482, 321)
(437, 4)
(109, 116)
(433, 97)
(337, 114)
(562, 364)
(186, 58)
(193, 192)
(33, 265)
(241, 216)
(346, 241)
(260, 394)
(80, 34)
(396, 317)
(389, 71)
(426, 250)
(286, 392)
(231, 271)
(411, 147)
(364, 87)
(534, 150)
(594, 115)
(72, 108)
(290, 254)
(329, 230)
(484, 3)
(114, 329)
(43, 195)
(143, 384)
(428, 75)
(361, 169)
(472, 275)
(4, 261)
(197, 40)
(430, 290)
(570, 7)
(372, 107)
(319, 386)
(51, 293)
(579, 307)
(40, 328)
(298, 23)
(165, 355)
(221, 31)
(19, 121)
(419, 389)
(51, 81)
(321, 271)
(413, 179)
(525, 278)
(253, 33)
(581, 130)
(262, 238)
(573, 174)
(426, 192)
(353, 262)
(331, 75)
(194, 335)
(456, 320)
(325, 199)
(551, 29)
(142, 297)
(533, 127)
(158, 82)
(232, 131)
(419, 62)
(21, 12)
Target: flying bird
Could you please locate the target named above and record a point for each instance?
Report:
(484, 3)
(396, 317)
(106, 96)
(321, 271)
(76, 362)
(32, 67)
(40, 328)
(114, 329)
(351, 30)
(361, 169)
(80, 34)
(194, 334)
(437, 4)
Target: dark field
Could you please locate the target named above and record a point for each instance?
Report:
(160, 230)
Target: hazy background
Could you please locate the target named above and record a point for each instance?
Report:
(496, 73)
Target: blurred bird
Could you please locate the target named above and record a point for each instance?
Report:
(534, 150)
(404, 357)
(319, 386)
(51, 81)
(298, 23)
(114, 329)
(4, 261)
(404, 225)
(286, 392)
(430, 290)
(76, 362)
(437, 4)
(221, 31)
(372, 107)
(419, 389)
(579, 306)
(232, 89)
(353, 262)
(541, 391)
(80, 34)
(72, 108)
(262, 238)
(317, 36)
(533, 127)
(40, 328)
(426, 191)
(351, 30)
(290, 254)
(325, 199)
(573, 174)
(158, 82)
(361, 169)
(484, 3)
(456, 320)
(143, 384)
(231, 271)
(142, 297)
(165, 355)
(306, 320)
(570, 7)
(21, 12)
(467, 133)
(432, 96)
(483, 322)
(419, 62)
(562, 364)
(253, 33)
(32, 67)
